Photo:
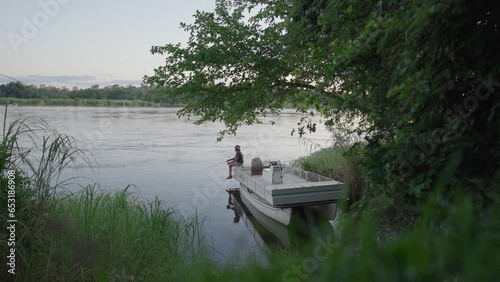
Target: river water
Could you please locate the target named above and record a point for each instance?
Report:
(180, 163)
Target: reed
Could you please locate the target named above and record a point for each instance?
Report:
(113, 235)
(38, 155)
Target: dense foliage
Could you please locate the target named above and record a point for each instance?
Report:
(418, 79)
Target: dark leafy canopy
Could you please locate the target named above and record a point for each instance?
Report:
(420, 78)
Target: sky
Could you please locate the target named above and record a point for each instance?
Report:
(87, 42)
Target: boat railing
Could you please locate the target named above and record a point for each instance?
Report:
(307, 175)
(250, 182)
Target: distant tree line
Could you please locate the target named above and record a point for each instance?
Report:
(116, 92)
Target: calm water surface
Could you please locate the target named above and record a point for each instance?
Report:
(175, 160)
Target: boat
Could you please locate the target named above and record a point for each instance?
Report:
(263, 228)
(281, 191)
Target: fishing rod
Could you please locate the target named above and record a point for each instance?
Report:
(215, 164)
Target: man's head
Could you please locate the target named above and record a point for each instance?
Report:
(237, 148)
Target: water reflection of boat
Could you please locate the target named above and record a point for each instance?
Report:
(260, 225)
(280, 192)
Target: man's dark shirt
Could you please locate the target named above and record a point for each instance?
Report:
(239, 157)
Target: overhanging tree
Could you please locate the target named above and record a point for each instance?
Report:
(236, 64)
(401, 69)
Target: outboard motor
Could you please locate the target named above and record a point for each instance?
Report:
(257, 166)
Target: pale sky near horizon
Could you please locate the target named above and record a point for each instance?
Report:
(86, 42)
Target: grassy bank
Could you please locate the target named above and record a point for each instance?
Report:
(102, 236)
(96, 235)
(339, 162)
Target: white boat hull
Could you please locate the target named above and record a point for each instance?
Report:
(278, 229)
(282, 215)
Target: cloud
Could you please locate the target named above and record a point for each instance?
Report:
(81, 81)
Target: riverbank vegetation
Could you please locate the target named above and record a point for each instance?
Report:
(17, 93)
(338, 163)
(77, 102)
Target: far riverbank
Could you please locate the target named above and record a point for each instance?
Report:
(81, 102)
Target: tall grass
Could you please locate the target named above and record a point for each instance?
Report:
(103, 235)
(90, 235)
(38, 156)
(339, 162)
(450, 242)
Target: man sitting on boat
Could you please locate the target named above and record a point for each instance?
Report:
(236, 161)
